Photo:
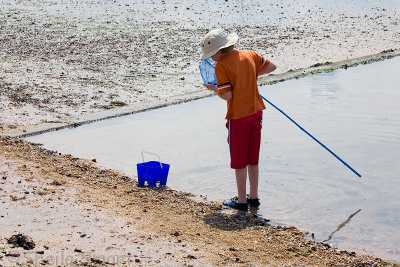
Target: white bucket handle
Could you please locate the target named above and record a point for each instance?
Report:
(154, 154)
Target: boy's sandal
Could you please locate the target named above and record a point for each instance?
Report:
(254, 202)
(235, 205)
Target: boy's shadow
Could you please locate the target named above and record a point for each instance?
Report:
(236, 221)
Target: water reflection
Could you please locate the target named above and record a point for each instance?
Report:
(324, 89)
(340, 226)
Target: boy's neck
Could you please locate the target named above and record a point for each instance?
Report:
(221, 55)
(228, 52)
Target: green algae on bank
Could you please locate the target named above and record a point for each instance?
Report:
(313, 70)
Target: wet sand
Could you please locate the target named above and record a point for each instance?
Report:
(79, 214)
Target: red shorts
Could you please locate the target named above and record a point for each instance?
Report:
(244, 140)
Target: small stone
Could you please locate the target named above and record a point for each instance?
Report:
(82, 235)
(12, 254)
(137, 260)
(232, 249)
(176, 233)
(99, 261)
(191, 257)
(40, 252)
(78, 250)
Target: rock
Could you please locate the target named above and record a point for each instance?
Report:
(176, 233)
(82, 235)
(20, 240)
(191, 257)
(40, 252)
(94, 260)
(57, 183)
(12, 254)
(78, 250)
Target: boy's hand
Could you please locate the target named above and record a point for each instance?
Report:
(211, 87)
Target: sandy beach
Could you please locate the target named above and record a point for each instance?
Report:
(67, 64)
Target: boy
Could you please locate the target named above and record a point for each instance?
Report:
(237, 73)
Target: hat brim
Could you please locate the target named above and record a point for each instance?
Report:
(232, 39)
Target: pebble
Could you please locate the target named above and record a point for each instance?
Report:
(12, 254)
(94, 260)
(176, 233)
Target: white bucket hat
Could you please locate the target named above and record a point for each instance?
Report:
(216, 40)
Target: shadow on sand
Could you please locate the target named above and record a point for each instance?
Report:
(234, 220)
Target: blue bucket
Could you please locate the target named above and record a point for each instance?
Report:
(152, 172)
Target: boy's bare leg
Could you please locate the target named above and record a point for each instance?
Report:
(241, 177)
(253, 179)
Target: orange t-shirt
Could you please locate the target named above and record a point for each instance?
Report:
(237, 71)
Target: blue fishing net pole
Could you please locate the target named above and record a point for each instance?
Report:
(207, 71)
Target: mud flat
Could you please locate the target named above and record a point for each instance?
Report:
(79, 214)
(68, 63)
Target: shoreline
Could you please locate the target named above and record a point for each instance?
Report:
(197, 233)
(265, 80)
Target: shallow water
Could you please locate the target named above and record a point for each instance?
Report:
(354, 112)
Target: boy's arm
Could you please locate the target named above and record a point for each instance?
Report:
(270, 68)
(212, 87)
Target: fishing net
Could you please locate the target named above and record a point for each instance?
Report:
(207, 71)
